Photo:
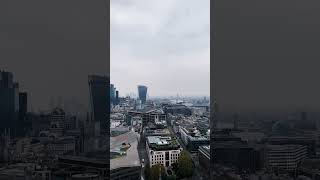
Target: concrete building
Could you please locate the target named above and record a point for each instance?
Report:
(310, 143)
(237, 154)
(25, 171)
(176, 109)
(192, 138)
(61, 146)
(285, 157)
(151, 115)
(162, 150)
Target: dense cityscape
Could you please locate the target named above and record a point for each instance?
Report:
(54, 144)
(159, 137)
(147, 113)
(274, 144)
(149, 138)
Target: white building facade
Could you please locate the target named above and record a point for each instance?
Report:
(161, 150)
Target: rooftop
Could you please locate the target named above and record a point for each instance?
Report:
(231, 145)
(286, 147)
(124, 156)
(160, 143)
(194, 134)
(157, 131)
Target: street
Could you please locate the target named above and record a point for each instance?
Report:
(197, 170)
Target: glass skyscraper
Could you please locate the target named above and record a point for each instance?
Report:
(99, 102)
(142, 91)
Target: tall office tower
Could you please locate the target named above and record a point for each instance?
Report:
(9, 101)
(23, 104)
(23, 109)
(117, 98)
(112, 93)
(6, 79)
(142, 91)
(99, 103)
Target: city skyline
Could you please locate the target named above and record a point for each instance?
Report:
(133, 93)
(163, 45)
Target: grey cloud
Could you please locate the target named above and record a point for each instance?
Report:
(160, 44)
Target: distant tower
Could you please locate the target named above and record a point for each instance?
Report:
(142, 91)
(9, 102)
(117, 97)
(112, 93)
(99, 102)
(23, 109)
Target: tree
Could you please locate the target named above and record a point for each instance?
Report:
(172, 177)
(185, 165)
(147, 170)
(174, 167)
(156, 171)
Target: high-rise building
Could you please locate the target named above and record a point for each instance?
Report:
(142, 91)
(112, 93)
(23, 104)
(117, 98)
(23, 109)
(6, 79)
(9, 101)
(99, 102)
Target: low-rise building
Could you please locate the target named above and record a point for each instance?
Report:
(193, 139)
(62, 146)
(163, 150)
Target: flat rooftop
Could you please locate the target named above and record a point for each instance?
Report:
(127, 157)
(285, 147)
(158, 131)
(161, 143)
(199, 137)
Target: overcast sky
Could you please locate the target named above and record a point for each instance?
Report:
(164, 45)
(52, 47)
